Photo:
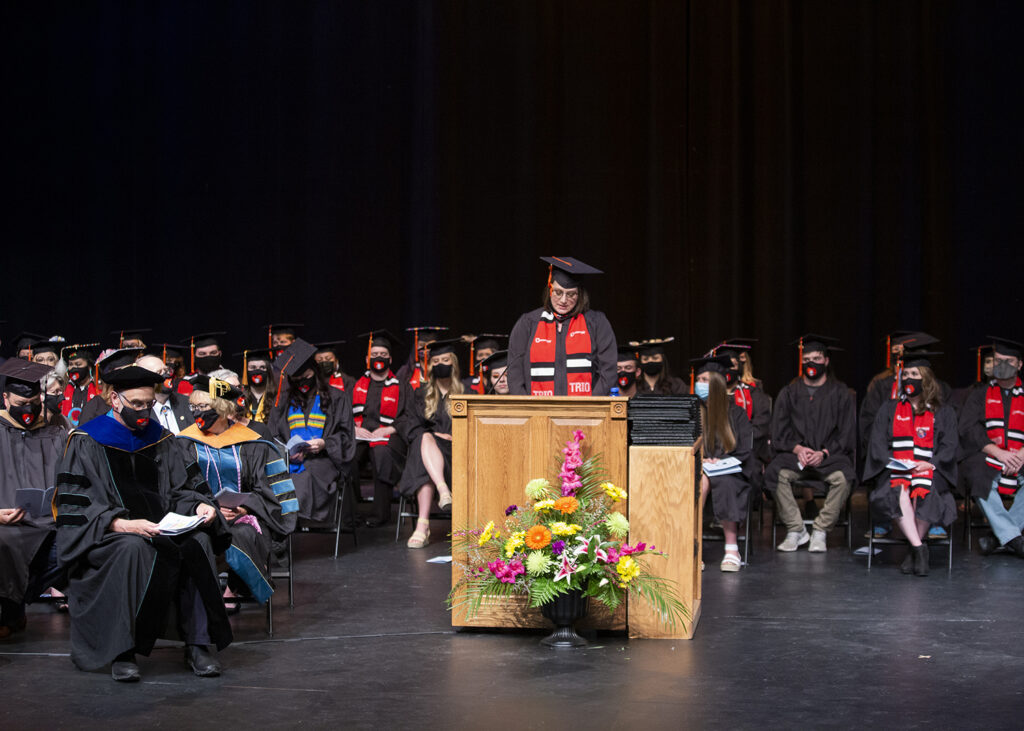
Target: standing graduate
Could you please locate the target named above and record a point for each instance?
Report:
(315, 421)
(381, 403)
(249, 478)
(727, 433)
(121, 473)
(29, 451)
(655, 374)
(814, 437)
(921, 431)
(563, 348)
(81, 387)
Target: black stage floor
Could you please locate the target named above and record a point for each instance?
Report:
(793, 641)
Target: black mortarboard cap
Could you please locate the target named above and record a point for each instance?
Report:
(22, 377)
(912, 339)
(24, 340)
(813, 342)
(131, 376)
(566, 270)
(130, 333)
(652, 346)
(716, 363)
(285, 328)
(330, 346)
(382, 338)
(216, 388)
(162, 350)
(260, 352)
(495, 360)
(118, 359)
(47, 346)
(85, 351)
(203, 340)
(295, 358)
(440, 347)
(493, 341)
(628, 352)
(917, 358)
(1003, 346)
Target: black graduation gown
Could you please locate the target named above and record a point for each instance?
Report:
(664, 386)
(880, 391)
(269, 497)
(975, 476)
(826, 421)
(93, 408)
(122, 585)
(316, 485)
(28, 458)
(415, 475)
(730, 493)
(938, 507)
(604, 354)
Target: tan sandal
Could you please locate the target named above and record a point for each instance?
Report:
(444, 501)
(419, 538)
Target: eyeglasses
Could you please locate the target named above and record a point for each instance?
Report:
(139, 405)
(196, 408)
(562, 294)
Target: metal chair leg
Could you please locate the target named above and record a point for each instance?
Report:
(337, 523)
(291, 576)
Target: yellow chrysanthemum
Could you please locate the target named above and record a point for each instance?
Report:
(617, 494)
(488, 533)
(543, 505)
(514, 543)
(627, 569)
(565, 529)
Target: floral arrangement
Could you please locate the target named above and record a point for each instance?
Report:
(563, 539)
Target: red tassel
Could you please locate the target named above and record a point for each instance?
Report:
(120, 341)
(979, 365)
(691, 380)
(270, 340)
(888, 351)
(800, 372)
(277, 396)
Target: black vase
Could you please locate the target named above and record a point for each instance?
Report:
(564, 611)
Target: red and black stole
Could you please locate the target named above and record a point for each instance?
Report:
(67, 406)
(578, 365)
(744, 398)
(339, 383)
(417, 378)
(388, 402)
(1004, 433)
(913, 438)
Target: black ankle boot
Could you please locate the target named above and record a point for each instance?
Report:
(920, 560)
(907, 567)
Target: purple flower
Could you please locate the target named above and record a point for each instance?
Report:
(557, 547)
(511, 509)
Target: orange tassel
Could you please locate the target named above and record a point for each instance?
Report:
(471, 359)
(551, 269)
(192, 358)
(245, 367)
(270, 340)
(277, 396)
(691, 380)
(120, 341)
(800, 371)
(369, 347)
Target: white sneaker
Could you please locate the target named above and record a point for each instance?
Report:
(818, 541)
(794, 540)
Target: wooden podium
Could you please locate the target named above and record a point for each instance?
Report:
(499, 443)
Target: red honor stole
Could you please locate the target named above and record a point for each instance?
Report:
(338, 383)
(1004, 433)
(578, 365)
(74, 413)
(388, 402)
(477, 385)
(744, 399)
(416, 380)
(913, 437)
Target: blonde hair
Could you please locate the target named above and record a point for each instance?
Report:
(432, 394)
(223, 407)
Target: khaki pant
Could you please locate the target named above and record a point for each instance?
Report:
(789, 511)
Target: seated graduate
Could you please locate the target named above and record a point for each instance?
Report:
(494, 373)
(727, 433)
(381, 404)
(655, 374)
(81, 386)
(108, 361)
(920, 430)
(428, 464)
(29, 451)
(170, 407)
(121, 473)
(328, 362)
(414, 371)
(207, 355)
(250, 481)
(314, 420)
(627, 370)
(481, 347)
(814, 437)
(992, 447)
(259, 383)
(747, 393)
(563, 348)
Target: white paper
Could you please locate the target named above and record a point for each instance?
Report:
(724, 466)
(174, 524)
(440, 559)
(901, 465)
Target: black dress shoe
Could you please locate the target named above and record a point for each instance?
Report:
(1017, 546)
(124, 669)
(987, 544)
(202, 662)
(907, 567)
(920, 559)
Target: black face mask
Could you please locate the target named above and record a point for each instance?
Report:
(78, 375)
(206, 418)
(26, 414)
(731, 376)
(627, 379)
(442, 370)
(257, 378)
(207, 363)
(134, 419)
(913, 386)
(1003, 371)
(326, 367)
(653, 367)
(52, 401)
(380, 364)
(303, 385)
(814, 371)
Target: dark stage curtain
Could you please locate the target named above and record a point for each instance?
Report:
(738, 168)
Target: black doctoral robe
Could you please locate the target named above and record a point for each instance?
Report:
(730, 493)
(603, 355)
(825, 421)
(316, 485)
(938, 507)
(122, 585)
(28, 459)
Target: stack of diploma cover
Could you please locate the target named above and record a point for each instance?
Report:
(174, 524)
(668, 421)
